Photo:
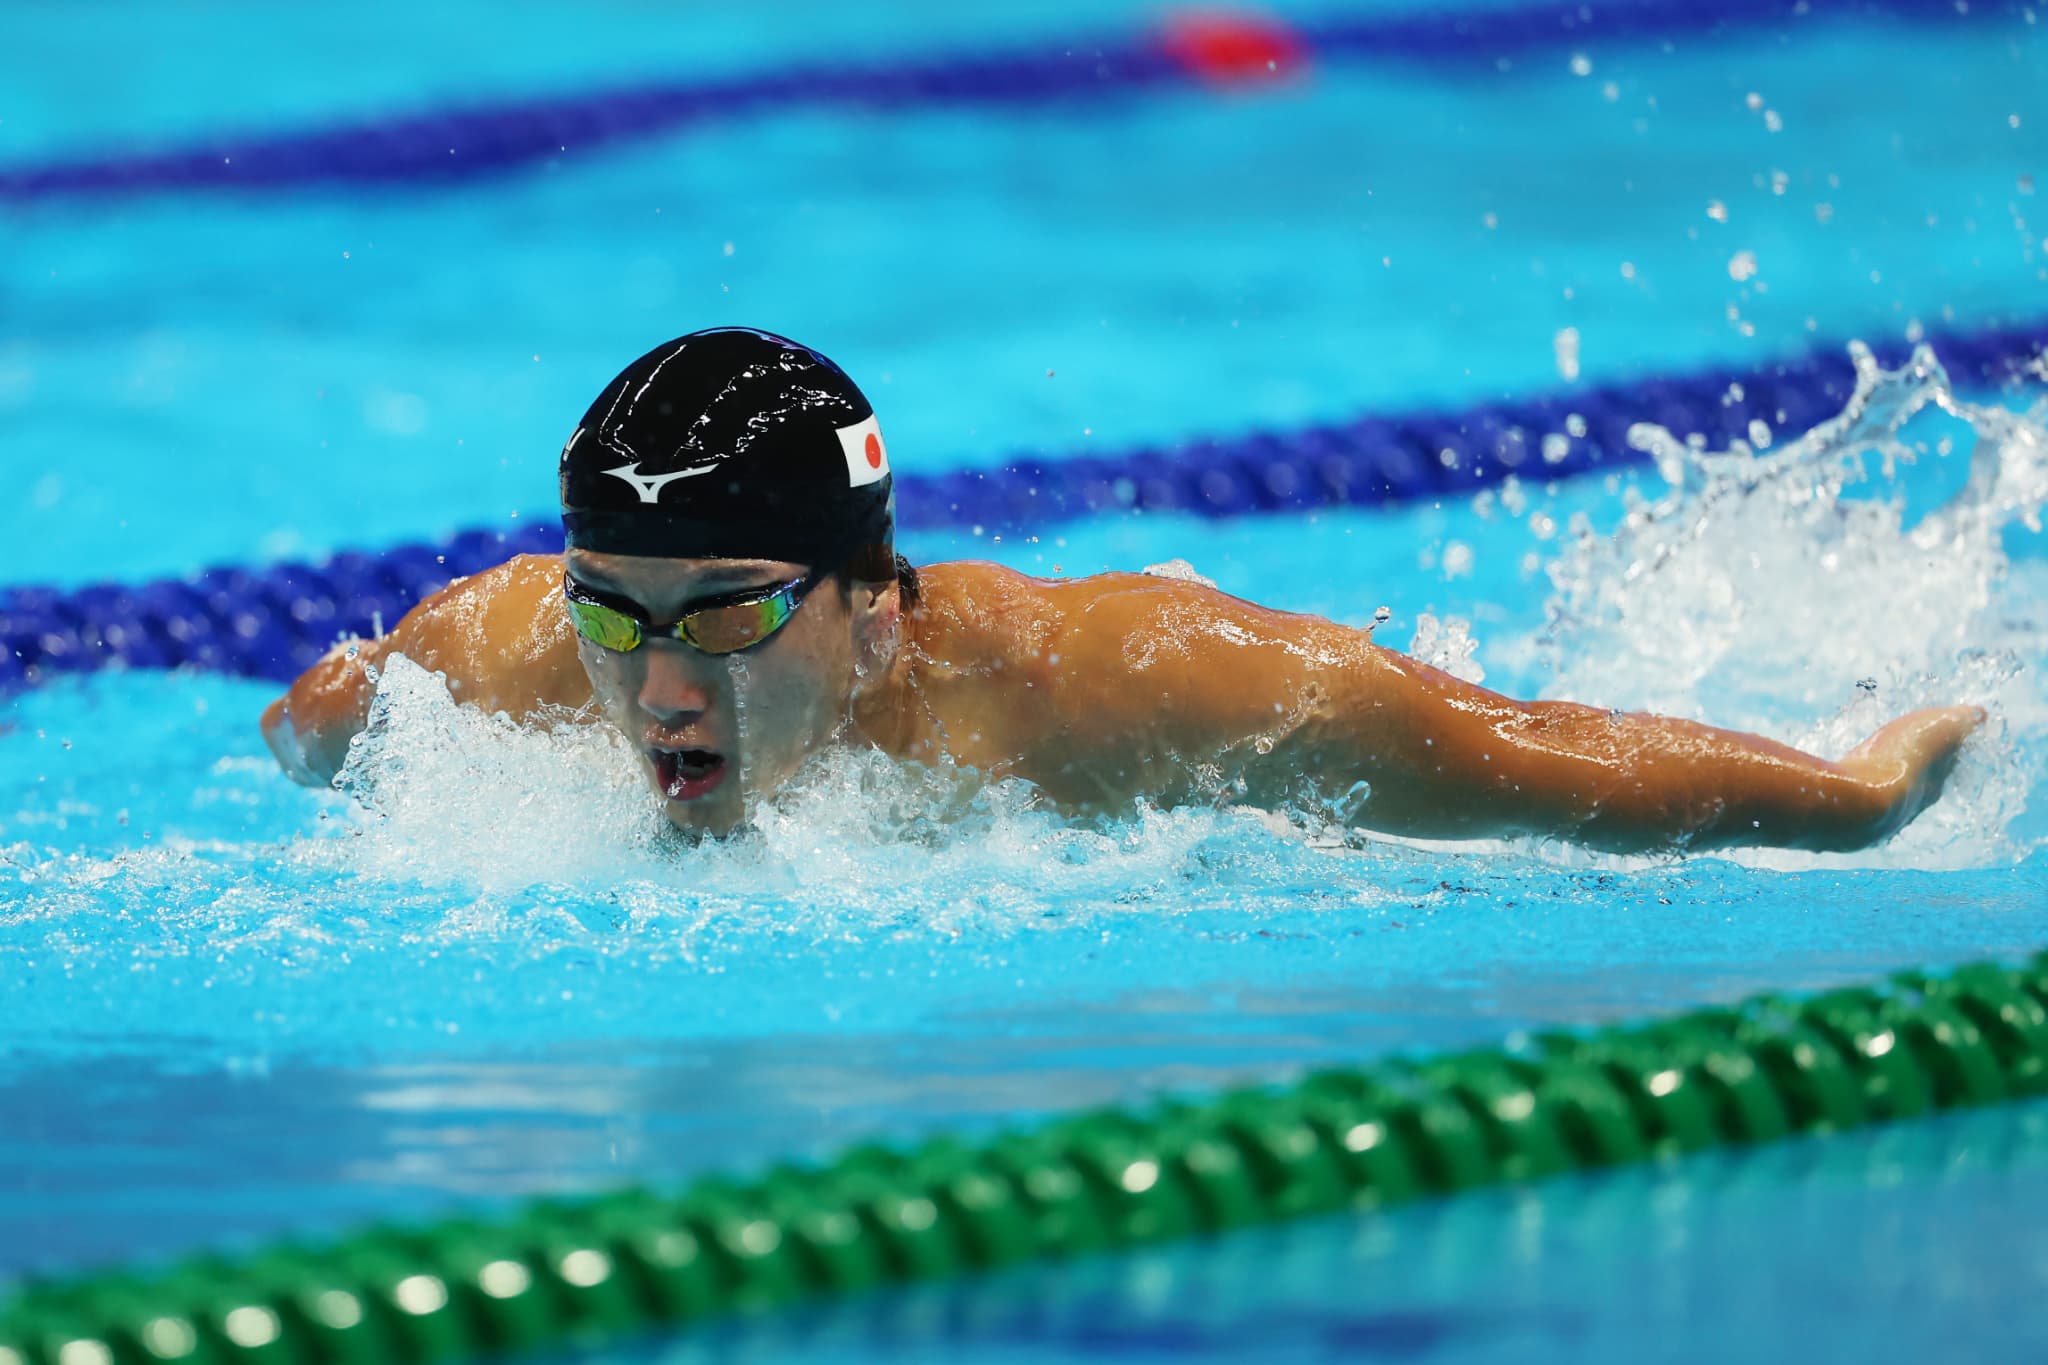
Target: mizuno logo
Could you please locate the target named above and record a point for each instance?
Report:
(649, 486)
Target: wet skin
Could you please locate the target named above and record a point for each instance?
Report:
(1104, 690)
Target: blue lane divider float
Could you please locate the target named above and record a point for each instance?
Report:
(462, 143)
(272, 622)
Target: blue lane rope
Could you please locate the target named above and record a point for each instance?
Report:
(447, 145)
(272, 622)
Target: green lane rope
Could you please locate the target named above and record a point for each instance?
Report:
(566, 1273)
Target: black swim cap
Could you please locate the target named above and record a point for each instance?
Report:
(731, 444)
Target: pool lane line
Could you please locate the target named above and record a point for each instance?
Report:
(273, 621)
(1192, 47)
(582, 1272)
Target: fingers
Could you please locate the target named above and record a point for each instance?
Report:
(1907, 762)
(283, 739)
(1918, 737)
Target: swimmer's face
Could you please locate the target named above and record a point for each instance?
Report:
(712, 731)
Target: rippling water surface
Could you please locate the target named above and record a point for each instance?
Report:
(485, 970)
(235, 1007)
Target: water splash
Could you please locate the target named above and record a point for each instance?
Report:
(1763, 591)
(520, 883)
(557, 816)
(1792, 594)
(523, 805)
(1449, 645)
(1180, 571)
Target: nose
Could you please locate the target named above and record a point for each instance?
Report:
(673, 690)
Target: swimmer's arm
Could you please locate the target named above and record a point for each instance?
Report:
(1447, 759)
(500, 637)
(309, 727)
(1159, 676)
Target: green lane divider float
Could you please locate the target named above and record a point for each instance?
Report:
(579, 1272)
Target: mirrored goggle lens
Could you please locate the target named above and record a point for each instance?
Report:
(603, 626)
(727, 630)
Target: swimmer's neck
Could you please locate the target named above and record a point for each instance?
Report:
(885, 711)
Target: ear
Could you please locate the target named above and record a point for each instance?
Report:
(877, 612)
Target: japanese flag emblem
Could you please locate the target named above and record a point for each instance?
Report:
(867, 459)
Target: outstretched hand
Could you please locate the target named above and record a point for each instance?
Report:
(1907, 762)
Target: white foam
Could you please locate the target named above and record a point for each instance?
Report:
(520, 804)
(1758, 594)
(450, 795)
(1449, 645)
(1181, 571)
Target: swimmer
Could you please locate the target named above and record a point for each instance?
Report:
(730, 601)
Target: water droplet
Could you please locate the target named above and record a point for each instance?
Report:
(1565, 347)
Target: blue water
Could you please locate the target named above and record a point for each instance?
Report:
(373, 366)
(237, 1008)
(1775, 1254)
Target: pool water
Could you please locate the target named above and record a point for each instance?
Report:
(1750, 1256)
(238, 1008)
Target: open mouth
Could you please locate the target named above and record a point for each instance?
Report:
(686, 774)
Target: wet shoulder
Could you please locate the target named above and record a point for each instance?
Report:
(505, 631)
(971, 610)
(969, 603)
(528, 613)
(506, 603)
(979, 655)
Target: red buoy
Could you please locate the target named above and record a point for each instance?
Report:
(1225, 47)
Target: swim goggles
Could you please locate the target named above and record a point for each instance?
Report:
(722, 625)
